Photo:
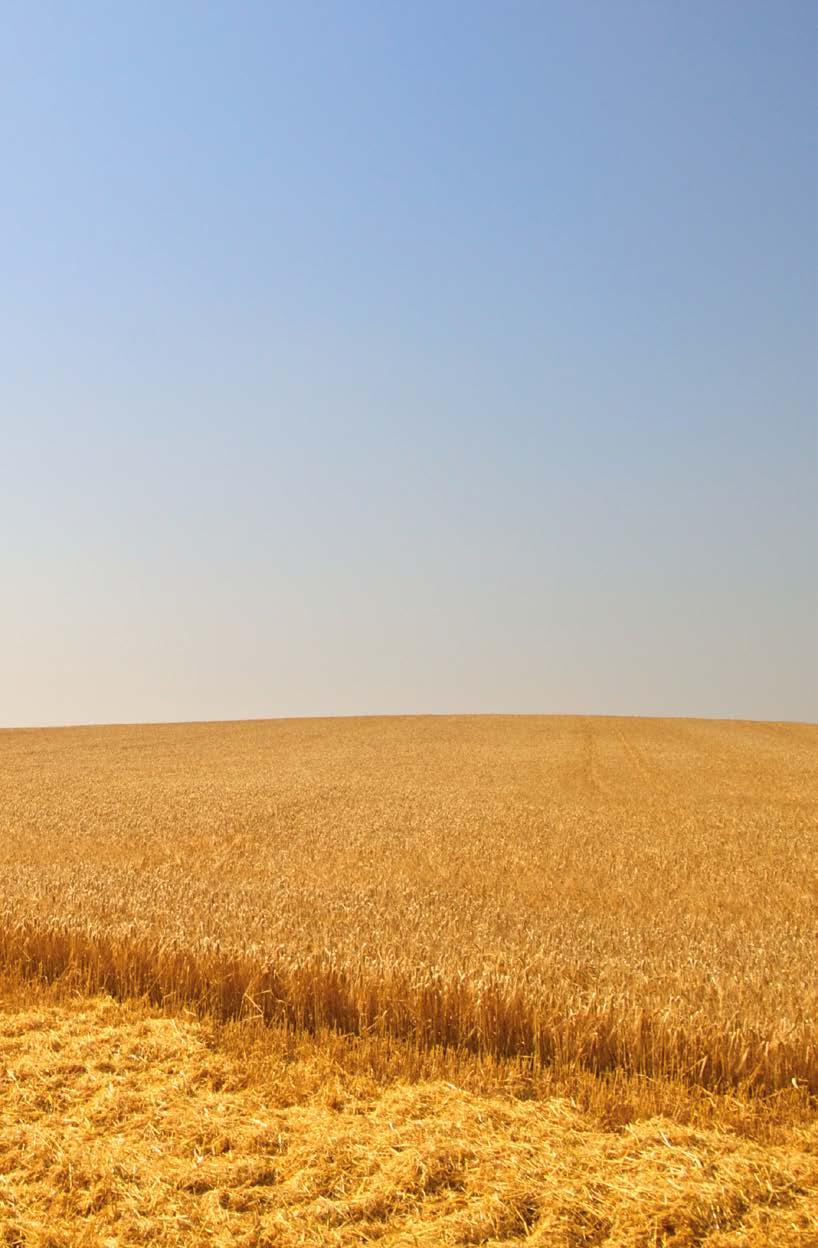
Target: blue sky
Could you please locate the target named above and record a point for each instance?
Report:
(371, 357)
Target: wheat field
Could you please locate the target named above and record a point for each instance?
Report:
(121, 1126)
(620, 893)
(606, 917)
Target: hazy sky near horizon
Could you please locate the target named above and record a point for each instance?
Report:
(374, 357)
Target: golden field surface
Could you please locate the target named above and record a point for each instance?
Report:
(120, 1126)
(488, 978)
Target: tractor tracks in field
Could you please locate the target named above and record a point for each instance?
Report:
(611, 765)
(647, 772)
(592, 780)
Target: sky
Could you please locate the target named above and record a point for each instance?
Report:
(363, 358)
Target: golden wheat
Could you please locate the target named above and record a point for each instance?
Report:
(612, 894)
(121, 1127)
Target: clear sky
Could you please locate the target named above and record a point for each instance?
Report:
(385, 357)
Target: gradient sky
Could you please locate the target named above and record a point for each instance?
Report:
(378, 357)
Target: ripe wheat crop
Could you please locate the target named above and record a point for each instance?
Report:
(618, 895)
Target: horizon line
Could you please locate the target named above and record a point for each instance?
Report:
(358, 715)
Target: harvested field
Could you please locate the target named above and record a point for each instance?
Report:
(607, 894)
(121, 1127)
